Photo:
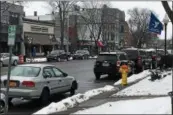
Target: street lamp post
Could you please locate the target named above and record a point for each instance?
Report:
(165, 21)
(50, 38)
(30, 44)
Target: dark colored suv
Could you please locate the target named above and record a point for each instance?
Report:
(139, 57)
(109, 63)
(81, 54)
(57, 55)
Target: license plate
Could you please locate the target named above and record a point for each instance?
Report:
(105, 64)
(12, 84)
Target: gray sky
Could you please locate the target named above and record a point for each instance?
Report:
(43, 8)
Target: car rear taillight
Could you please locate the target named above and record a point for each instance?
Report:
(28, 83)
(154, 57)
(118, 63)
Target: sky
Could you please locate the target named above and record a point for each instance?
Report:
(43, 8)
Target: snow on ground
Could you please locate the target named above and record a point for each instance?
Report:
(36, 60)
(135, 77)
(147, 87)
(93, 57)
(74, 100)
(160, 105)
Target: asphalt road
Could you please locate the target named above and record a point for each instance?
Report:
(82, 70)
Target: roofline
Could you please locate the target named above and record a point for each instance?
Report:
(37, 21)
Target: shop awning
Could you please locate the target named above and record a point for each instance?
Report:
(40, 39)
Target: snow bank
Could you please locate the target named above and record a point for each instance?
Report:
(73, 101)
(135, 77)
(145, 106)
(36, 60)
(93, 57)
(147, 87)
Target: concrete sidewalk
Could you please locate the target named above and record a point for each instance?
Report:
(99, 99)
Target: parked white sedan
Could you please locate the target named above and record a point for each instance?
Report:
(38, 81)
(5, 59)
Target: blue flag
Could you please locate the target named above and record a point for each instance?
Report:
(155, 25)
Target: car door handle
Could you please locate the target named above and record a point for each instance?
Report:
(48, 82)
(59, 80)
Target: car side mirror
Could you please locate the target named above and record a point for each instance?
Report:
(65, 74)
(46, 76)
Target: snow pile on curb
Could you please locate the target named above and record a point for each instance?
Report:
(148, 87)
(93, 57)
(160, 105)
(74, 100)
(36, 60)
(135, 77)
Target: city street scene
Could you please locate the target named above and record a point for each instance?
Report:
(86, 57)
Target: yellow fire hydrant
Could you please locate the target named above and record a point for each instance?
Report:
(124, 69)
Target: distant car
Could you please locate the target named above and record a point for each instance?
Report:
(5, 59)
(110, 62)
(2, 103)
(58, 55)
(38, 81)
(138, 57)
(81, 54)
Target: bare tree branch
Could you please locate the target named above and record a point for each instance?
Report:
(62, 8)
(168, 10)
(138, 25)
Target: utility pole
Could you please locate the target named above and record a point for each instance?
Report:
(0, 46)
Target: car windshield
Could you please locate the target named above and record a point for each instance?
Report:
(79, 51)
(54, 52)
(25, 71)
(107, 57)
(131, 53)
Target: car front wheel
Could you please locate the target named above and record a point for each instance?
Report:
(97, 75)
(45, 97)
(2, 107)
(15, 63)
(73, 88)
(58, 59)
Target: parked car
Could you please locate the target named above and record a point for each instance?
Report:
(58, 55)
(110, 62)
(2, 103)
(138, 57)
(148, 58)
(38, 81)
(5, 59)
(81, 54)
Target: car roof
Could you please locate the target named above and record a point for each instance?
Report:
(36, 65)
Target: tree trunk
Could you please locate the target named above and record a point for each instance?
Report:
(61, 14)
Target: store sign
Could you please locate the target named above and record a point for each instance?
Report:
(39, 29)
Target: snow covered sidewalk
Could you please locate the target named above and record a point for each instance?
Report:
(43, 59)
(160, 105)
(74, 100)
(135, 77)
(148, 87)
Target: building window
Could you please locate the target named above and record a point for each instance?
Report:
(117, 15)
(14, 18)
(121, 29)
(35, 28)
(112, 36)
(44, 29)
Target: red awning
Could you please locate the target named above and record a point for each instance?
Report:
(99, 44)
